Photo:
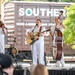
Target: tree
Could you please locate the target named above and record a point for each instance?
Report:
(69, 22)
(62, 0)
(68, 0)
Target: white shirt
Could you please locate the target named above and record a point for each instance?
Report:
(36, 29)
(1, 32)
(61, 18)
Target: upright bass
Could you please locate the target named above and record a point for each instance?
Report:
(58, 41)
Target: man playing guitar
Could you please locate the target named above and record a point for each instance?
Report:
(38, 44)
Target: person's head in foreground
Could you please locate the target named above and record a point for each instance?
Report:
(40, 70)
(6, 64)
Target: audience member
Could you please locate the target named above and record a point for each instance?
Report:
(40, 70)
(6, 64)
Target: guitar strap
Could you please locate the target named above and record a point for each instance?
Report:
(34, 28)
(40, 29)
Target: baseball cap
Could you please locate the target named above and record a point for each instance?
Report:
(5, 60)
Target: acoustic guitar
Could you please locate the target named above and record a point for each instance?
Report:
(34, 36)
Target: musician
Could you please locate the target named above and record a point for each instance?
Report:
(2, 33)
(59, 21)
(53, 34)
(38, 45)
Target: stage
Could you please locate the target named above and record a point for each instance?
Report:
(68, 69)
(61, 72)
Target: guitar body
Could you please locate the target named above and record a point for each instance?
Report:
(34, 36)
(30, 39)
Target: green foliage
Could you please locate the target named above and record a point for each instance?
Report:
(69, 22)
(68, 0)
(73, 47)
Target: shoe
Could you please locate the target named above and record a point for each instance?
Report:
(63, 65)
(56, 65)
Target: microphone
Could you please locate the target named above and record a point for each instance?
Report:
(36, 24)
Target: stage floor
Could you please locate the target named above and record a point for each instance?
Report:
(50, 66)
(68, 69)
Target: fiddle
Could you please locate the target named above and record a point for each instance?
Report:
(2, 26)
